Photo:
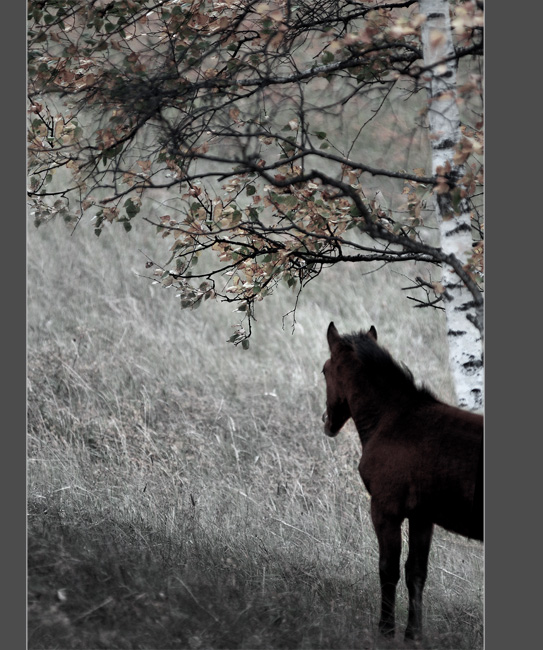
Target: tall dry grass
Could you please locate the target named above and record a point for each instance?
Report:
(181, 491)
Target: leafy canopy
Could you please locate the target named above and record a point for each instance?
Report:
(253, 135)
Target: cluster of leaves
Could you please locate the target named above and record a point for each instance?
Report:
(220, 110)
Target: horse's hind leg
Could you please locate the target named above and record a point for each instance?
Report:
(389, 536)
(420, 538)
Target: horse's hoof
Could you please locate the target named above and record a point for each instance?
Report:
(386, 631)
(413, 638)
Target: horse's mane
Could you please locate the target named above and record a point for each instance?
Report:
(382, 370)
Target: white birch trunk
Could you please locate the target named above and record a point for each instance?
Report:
(465, 340)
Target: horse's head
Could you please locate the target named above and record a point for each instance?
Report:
(337, 406)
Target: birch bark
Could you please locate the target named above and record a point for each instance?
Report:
(464, 311)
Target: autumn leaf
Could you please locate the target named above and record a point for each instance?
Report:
(437, 38)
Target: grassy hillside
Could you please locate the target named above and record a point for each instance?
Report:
(181, 491)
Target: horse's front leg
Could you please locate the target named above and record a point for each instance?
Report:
(420, 538)
(388, 530)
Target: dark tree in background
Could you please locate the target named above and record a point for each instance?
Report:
(269, 141)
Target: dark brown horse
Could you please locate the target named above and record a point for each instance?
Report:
(422, 460)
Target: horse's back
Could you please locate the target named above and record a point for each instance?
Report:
(428, 464)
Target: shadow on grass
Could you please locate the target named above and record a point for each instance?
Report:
(110, 584)
(97, 585)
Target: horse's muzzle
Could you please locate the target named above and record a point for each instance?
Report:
(327, 429)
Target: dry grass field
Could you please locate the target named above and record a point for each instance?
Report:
(181, 491)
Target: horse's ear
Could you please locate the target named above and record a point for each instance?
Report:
(333, 336)
(373, 332)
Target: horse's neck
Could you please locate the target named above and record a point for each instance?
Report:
(367, 416)
(370, 406)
